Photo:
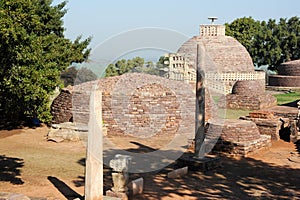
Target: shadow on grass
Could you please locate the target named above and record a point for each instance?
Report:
(291, 104)
(10, 170)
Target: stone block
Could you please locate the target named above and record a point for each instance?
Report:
(178, 172)
(137, 186)
(119, 195)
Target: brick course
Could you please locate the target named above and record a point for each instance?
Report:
(136, 104)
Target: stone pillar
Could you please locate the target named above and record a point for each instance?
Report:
(200, 107)
(94, 159)
(120, 165)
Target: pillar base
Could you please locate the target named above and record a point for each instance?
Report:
(119, 195)
(200, 164)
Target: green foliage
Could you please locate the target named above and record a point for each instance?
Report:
(33, 52)
(269, 43)
(72, 76)
(137, 65)
(244, 30)
(287, 97)
(123, 66)
(232, 114)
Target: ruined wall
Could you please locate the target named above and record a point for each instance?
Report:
(269, 127)
(238, 137)
(61, 108)
(139, 104)
(248, 102)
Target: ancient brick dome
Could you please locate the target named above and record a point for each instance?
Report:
(291, 68)
(223, 53)
(288, 75)
(248, 88)
(234, 130)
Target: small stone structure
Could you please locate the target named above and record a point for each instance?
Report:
(68, 131)
(276, 126)
(267, 123)
(61, 108)
(248, 95)
(238, 137)
(120, 165)
(288, 75)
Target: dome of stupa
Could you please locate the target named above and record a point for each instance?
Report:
(218, 52)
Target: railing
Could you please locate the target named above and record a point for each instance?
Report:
(234, 76)
(219, 81)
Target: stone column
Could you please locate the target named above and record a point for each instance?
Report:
(94, 159)
(120, 165)
(200, 107)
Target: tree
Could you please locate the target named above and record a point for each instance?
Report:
(72, 76)
(123, 66)
(269, 43)
(244, 30)
(33, 53)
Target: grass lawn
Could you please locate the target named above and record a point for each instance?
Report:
(287, 98)
(232, 114)
(235, 114)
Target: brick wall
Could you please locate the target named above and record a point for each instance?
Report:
(247, 102)
(267, 126)
(284, 81)
(291, 68)
(138, 104)
(249, 88)
(239, 137)
(61, 108)
(248, 95)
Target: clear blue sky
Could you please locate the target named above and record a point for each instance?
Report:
(103, 19)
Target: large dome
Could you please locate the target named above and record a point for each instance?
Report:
(220, 53)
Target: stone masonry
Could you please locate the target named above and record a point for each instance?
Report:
(238, 137)
(288, 75)
(248, 95)
(61, 108)
(137, 104)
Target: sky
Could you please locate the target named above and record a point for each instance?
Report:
(108, 19)
(104, 19)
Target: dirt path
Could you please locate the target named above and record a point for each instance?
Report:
(32, 161)
(32, 166)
